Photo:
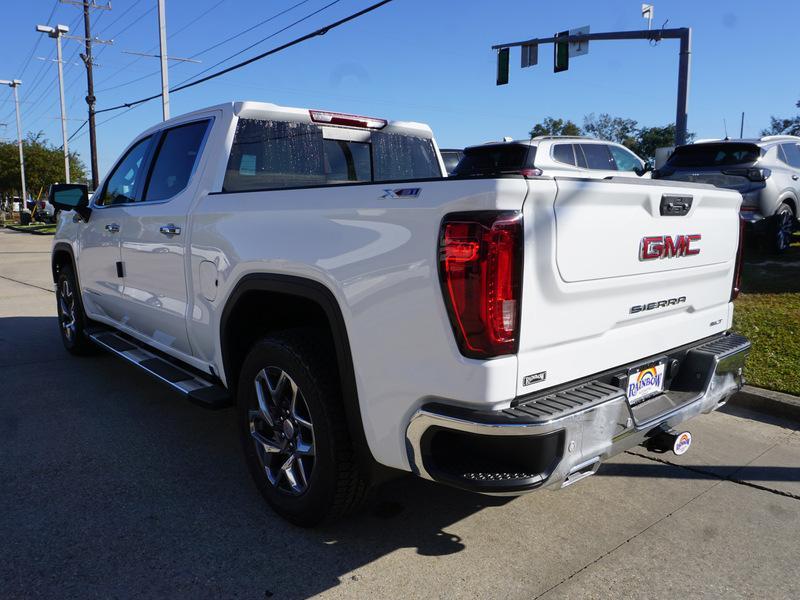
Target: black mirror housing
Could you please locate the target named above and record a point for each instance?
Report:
(645, 168)
(71, 196)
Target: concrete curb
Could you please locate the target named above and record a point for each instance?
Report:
(776, 404)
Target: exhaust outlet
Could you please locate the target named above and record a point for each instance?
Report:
(676, 442)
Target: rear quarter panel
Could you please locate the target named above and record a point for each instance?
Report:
(378, 256)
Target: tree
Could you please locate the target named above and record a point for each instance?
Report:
(44, 164)
(650, 138)
(551, 126)
(779, 126)
(615, 129)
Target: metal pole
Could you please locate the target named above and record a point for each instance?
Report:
(741, 127)
(684, 65)
(90, 98)
(63, 106)
(19, 143)
(162, 35)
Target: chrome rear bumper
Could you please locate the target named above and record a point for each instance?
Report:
(559, 437)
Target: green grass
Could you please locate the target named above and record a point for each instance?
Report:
(768, 312)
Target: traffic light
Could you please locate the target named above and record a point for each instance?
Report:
(561, 54)
(502, 66)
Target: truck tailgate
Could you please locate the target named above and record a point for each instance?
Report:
(596, 296)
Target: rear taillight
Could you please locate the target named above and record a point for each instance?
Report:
(751, 174)
(480, 268)
(736, 286)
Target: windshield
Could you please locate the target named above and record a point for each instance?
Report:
(494, 159)
(714, 155)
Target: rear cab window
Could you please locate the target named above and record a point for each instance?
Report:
(597, 157)
(714, 155)
(495, 159)
(270, 154)
(564, 153)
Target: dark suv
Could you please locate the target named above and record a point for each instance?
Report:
(765, 171)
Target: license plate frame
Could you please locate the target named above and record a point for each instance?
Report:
(645, 381)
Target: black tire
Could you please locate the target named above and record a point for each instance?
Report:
(71, 318)
(333, 482)
(782, 228)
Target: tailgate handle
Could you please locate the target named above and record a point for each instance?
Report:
(675, 206)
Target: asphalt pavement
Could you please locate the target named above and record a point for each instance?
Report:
(111, 485)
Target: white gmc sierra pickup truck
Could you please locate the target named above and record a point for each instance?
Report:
(499, 331)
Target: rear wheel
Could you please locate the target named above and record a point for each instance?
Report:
(71, 318)
(293, 430)
(783, 228)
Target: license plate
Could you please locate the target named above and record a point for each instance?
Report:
(645, 382)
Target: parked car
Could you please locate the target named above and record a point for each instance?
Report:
(553, 156)
(369, 315)
(451, 156)
(766, 171)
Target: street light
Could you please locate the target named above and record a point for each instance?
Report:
(56, 33)
(14, 84)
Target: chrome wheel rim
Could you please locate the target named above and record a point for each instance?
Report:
(282, 431)
(66, 310)
(785, 227)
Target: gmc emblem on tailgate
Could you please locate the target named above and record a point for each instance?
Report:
(666, 246)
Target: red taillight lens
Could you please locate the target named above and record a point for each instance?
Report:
(736, 286)
(480, 267)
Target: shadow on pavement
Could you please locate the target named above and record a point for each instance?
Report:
(693, 471)
(112, 483)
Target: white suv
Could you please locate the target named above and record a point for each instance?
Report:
(553, 156)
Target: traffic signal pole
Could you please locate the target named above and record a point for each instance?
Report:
(684, 34)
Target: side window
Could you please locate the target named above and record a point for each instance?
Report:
(347, 161)
(174, 160)
(397, 157)
(121, 185)
(792, 153)
(579, 157)
(598, 157)
(563, 153)
(274, 154)
(625, 160)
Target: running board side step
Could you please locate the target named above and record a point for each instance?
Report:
(198, 390)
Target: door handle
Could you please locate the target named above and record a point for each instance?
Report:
(795, 177)
(170, 229)
(112, 228)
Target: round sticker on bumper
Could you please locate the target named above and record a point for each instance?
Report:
(682, 443)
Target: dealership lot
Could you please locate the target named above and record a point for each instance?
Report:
(113, 486)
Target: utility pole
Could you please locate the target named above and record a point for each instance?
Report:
(684, 34)
(162, 41)
(14, 84)
(86, 57)
(162, 55)
(90, 99)
(56, 33)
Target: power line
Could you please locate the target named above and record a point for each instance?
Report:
(38, 41)
(242, 51)
(318, 32)
(196, 54)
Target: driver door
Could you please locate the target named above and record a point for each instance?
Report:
(100, 265)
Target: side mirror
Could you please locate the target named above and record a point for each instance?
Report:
(645, 168)
(71, 196)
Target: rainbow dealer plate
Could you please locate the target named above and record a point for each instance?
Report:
(645, 382)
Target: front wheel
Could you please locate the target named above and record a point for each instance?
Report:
(293, 430)
(71, 318)
(783, 226)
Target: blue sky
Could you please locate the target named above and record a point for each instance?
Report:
(421, 60)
